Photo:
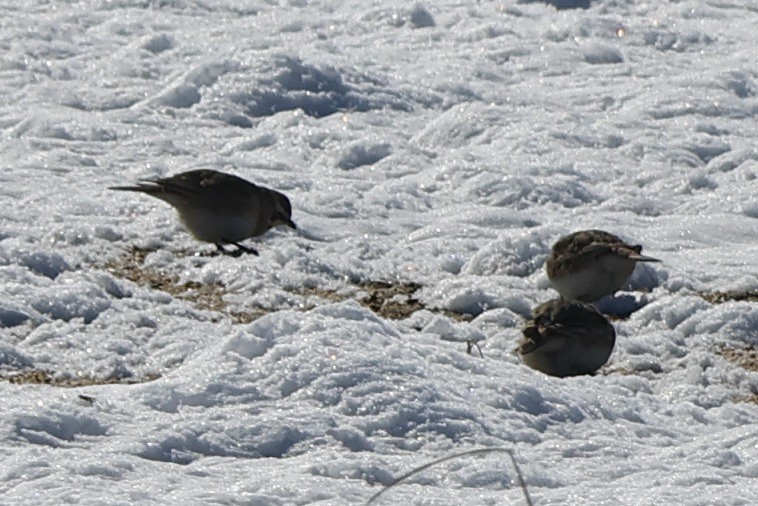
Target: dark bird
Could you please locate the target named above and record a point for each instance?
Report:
(220, 208)
(566, 338)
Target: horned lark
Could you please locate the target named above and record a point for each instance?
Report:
(566, 338)
(220, 208)
(591, 264)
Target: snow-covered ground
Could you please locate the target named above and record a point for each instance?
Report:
(442, 145)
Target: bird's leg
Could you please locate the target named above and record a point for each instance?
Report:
(220, 250)
(470, 344)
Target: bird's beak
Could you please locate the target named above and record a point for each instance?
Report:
(283, 220)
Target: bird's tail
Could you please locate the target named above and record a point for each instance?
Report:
(639, 257)
(643, 258)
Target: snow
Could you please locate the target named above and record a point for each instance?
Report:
(443, 145)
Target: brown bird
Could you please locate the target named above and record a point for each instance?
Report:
(566, 338)
(591, 264)
(220, 208)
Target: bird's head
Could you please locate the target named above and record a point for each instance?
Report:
(282, 211)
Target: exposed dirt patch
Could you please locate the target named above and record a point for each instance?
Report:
(37, 377)
(747, 358)
(320, 293)
(729, 295)
(389, 300)
(392, 300)
(204, 296)
(618, 317)
(396, 301)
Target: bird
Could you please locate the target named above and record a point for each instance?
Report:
(219, 208)
(566, 338)
(590, 264)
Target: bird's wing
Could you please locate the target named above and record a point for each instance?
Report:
(537, 335)
(587, 255)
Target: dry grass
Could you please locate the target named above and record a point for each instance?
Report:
(747, 358)
(455, 456)
(38, 377)
(208, 297)
(389, 300)
(729, 295)
(392, 300)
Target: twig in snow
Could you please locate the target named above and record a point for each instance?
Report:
(481, 451)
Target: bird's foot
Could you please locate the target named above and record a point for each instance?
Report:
(220, 250)
(244, 249)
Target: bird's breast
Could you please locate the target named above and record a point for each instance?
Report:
(210, 226)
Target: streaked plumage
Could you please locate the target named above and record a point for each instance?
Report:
(219, 208)
(566, 338)
(590, 264)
